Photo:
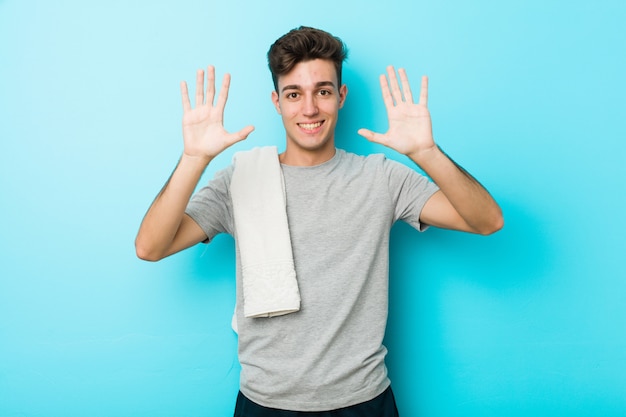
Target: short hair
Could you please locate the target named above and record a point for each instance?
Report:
(305, 44)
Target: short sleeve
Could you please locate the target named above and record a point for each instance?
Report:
(211, 206)
(409, 192)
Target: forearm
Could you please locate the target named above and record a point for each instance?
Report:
(163, 219)
(469, 198)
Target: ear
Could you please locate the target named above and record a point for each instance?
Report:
(276, 101)
(343, 93)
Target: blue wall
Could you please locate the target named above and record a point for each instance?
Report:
(527, 95)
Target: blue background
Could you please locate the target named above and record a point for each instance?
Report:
(527, 95)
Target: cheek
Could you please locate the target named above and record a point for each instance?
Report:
(288, 111)
(329, 107)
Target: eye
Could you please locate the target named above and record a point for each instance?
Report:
(292, 95)
(325, 92)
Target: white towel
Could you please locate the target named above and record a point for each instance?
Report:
(259, 203)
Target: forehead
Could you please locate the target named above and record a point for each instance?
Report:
(308, 74)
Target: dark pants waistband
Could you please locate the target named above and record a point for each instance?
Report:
(384, 405)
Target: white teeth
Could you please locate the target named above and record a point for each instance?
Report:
(310, 126)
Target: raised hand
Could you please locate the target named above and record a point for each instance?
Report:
(410, 128)
(203, 126)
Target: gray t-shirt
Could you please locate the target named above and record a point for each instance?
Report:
(329, 354)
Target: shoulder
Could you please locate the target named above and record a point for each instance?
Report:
(218, 184)
(377, 162)
(355, 160)
(223, 175)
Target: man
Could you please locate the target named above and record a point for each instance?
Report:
(327, 358)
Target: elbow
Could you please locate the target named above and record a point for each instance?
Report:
(146, 253)
(495, 224)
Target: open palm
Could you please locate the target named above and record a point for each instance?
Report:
(203, 125)
(410, 127)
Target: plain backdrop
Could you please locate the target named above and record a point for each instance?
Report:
(527, 95)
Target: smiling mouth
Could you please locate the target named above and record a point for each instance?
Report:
(310, 126)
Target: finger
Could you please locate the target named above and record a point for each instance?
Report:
(243, 133)
(199, 87)
(384, 87)
(406, 87)
(223, 96)
(369, 135)
(184, 92)
(210, 84)
(424, 91)
(393, 83)
(366, 133)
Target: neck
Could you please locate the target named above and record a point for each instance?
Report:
(306, 158)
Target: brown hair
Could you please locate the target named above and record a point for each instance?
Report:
(305, 44)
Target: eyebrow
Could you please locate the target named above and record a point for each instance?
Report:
(317, 85)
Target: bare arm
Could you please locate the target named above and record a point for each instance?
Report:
(462, 202)
(166, 229)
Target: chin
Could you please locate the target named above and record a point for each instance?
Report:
(314, 146)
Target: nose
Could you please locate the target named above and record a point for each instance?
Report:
(309, 105)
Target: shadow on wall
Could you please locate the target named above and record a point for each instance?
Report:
(423, 268)
(514, 256)
(213, 261)
(363, 108)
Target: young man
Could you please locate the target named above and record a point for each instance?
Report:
(328, 356)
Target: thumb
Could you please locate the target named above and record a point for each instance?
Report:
(243, 133)
(369, 135)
